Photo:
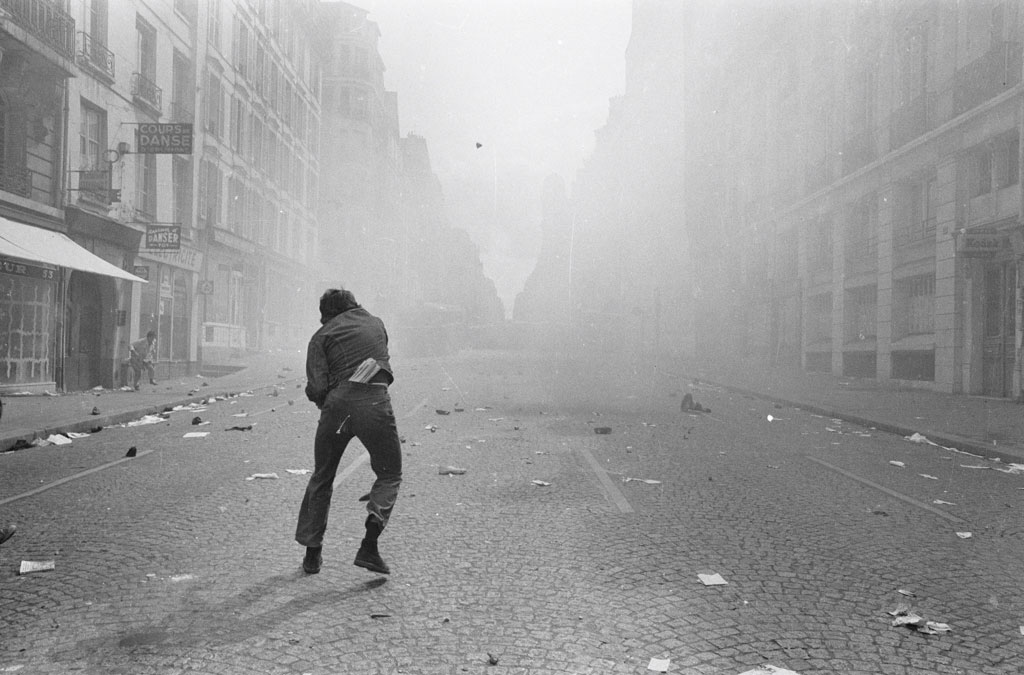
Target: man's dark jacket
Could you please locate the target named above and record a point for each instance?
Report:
(337, 349)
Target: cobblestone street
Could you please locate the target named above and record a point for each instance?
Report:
(559, 550)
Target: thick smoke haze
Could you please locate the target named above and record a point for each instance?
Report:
(529, 81)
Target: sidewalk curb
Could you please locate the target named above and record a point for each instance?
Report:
(9, 438)
(938, 437)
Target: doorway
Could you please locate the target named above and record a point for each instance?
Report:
(84, 313)
(1000, 328)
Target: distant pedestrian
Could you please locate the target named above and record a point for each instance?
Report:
(348, 371)
(141, 356)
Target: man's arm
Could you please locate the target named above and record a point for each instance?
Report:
(317, 372)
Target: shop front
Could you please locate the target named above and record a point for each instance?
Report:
(62, 309)
(167, 306)
(990, 258)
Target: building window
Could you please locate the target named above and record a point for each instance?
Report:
(861, 314)
(147, 49)
(914, 306)
(182, 100)
(819, 320)
(92, 135)
(182, 178)
(915, 215)
(819, 245)
(214, 106)
(98, 21)
(994, 165)
(214, 24)
(861, 242)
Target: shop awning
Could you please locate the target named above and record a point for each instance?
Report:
(37, 244)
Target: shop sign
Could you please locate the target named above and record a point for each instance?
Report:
(980, 244)
(97, 181)
(163, 237)
(25, 270)
(185, 257)
(164, 139)
(141, 271)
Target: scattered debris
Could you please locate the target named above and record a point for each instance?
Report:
(770, 670)
(770, 418)
(964, 535)
(904, 616)
(55, 439)
(256, 476)
(939, 501)
(132, 451)
(909, 594)
(450, 471)
(602, 430)
(541, 483)
(442, 412)
(75, 435)
(380, 616)
(182, 577)
(924, 475)
(972, 466)
(459, 409)
(298, 472)
(649, 481)
(7, 532)
(659, 665)
(712, 579)
(196, 434)
(95, 411)
(144, 420)
(247, 427)
(492, 660)
(431, 428)
(197, 420)
(689, 405)
(895, 463)
(30, 566)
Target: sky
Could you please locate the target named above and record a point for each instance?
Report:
(529, 80)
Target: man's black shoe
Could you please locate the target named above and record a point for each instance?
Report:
(372, 561)
(311, 563)
(152, 381)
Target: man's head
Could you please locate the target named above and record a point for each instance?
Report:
(151, 336)
(334, 301)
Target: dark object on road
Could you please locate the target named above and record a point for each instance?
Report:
(95, 430)
(247, 427)
(197, 420)
(602, 430)
(492, 660)
(7, 532)
(206, 384)
(95, 411)
(132, 451)
(441, 412)
(689, 405)
(20, 444)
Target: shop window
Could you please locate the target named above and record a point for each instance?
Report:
(819, 362)
(26, 329)
(859, 364)
(914, 306)
(860, 310)
(914, 365)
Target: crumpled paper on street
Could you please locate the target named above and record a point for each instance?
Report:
(659, 665)
(263, 475)
(769, 670)
(904, 616)
(29, 566)
(712, 579)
